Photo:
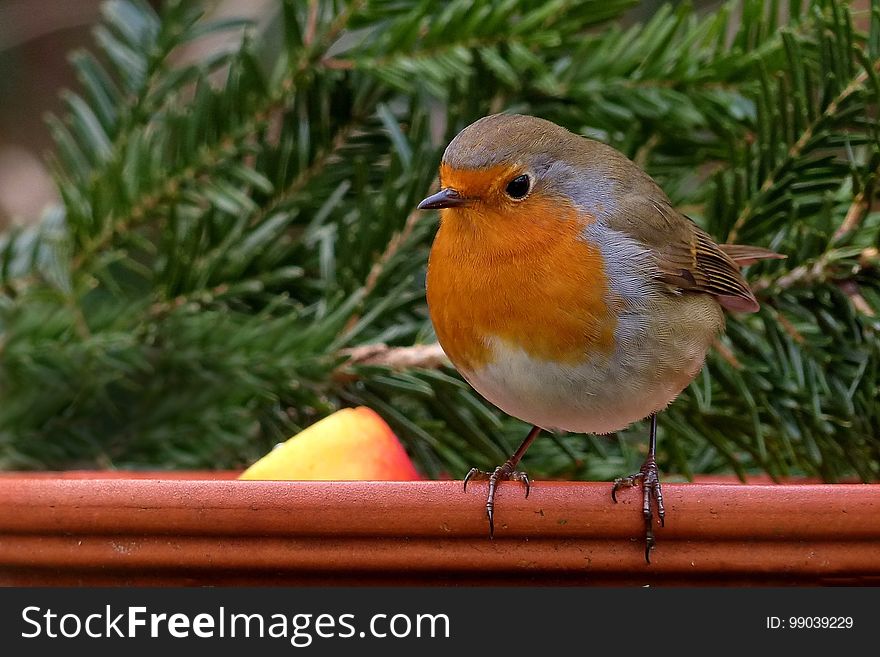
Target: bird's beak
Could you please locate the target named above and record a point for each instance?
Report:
(445, 198)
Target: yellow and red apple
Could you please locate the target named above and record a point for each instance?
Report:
(350, 444)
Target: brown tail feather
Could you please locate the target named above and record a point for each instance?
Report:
(743, 254)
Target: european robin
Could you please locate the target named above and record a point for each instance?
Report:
(568, 291)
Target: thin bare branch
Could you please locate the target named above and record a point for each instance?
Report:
(420, 356)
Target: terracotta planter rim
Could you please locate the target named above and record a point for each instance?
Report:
(202, 530)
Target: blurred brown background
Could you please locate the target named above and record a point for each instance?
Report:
(35, 38)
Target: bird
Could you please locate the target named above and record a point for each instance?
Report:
(569, 292)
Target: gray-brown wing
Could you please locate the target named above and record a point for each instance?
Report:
(686, 257)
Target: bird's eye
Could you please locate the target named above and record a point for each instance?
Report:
(518, 187)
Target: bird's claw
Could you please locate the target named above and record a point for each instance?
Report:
(504, 472)
(650, 480)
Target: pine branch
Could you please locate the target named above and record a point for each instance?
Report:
(859, 208)
(828, 115)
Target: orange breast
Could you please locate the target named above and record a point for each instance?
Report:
(525, 277)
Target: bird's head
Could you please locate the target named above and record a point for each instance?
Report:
(517, 179)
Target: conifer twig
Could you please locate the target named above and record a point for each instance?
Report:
(798, 147)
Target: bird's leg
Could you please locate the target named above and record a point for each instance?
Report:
(650, 479)
(506, 472)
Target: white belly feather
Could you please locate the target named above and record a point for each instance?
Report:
(600, 394)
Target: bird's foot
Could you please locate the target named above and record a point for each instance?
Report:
(650, 480)
(504, 472)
